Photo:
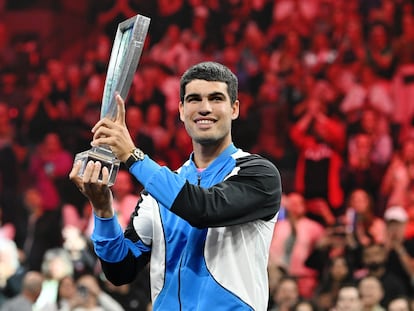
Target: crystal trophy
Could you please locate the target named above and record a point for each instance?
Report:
(126, 52)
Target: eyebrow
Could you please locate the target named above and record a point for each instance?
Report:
(198, 95)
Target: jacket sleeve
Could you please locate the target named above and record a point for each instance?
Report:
(123, 255)
(252, 193)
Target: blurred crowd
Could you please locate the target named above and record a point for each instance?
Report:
(326, 92)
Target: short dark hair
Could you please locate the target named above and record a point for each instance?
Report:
(210, 71)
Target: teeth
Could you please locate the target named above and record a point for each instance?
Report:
(205, 121)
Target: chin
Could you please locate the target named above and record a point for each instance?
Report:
(207, 141)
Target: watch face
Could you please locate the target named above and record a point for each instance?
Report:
(138, 154)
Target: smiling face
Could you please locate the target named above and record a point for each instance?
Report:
(207, 112)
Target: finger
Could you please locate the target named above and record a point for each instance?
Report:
(105, 175)
(103, 131)
(121, 109)
(74, 175)
(88, 172)
(102, 123)
(95, 172)
(75, 170)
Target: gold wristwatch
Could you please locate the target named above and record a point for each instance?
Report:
(136, 155)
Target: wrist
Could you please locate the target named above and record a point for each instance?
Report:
(135, 155)
(104, 213)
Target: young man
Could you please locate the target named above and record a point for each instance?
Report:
(205, 229)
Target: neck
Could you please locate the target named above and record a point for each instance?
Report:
(205, 154)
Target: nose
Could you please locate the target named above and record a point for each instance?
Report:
(205, 107)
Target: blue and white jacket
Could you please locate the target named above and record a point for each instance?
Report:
(206, 234)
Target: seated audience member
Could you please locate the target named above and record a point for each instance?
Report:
(11, 271)
(41, 229)
(31, 287)
(79, 250)
(337, 274)
(399, 175)
(56, 265)
(400, 250)
(305, 305)
(374, 261)
(401, 303)
(65, 294)
(372, 292)
(276, 273)
(285, 296)
(361, 221)
(349, 299)
(293, 241)
(134, 296)
(90, 296)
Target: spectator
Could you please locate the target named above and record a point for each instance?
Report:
(400, 250)
(41, 229)
(402, 86)
(285, 60)
(134, 296)
(409, 208)
(337, 274)
(361, 221)
(349, 299)
(9, 173)
(374, 260)
(125, 198)
(65, 293)
(170, 50)
(90, 296)
(56, 265)
(31, 287)
(11, 270)
(320, 141)
(367, 93)
(286, 295)
(180, 149)
(401, 303)
(305, 305)
(41, 114)
(155, 129)
(379, 53)
(371, 291)
(320, 55)
(361, 171)
(276, 274)
(49, 165)
(399, 175)
(135, 121)
(79, 250)
(293, 241)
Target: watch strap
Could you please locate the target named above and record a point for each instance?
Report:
(136, 155)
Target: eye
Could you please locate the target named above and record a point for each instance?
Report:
(216, 98)
(193, 99)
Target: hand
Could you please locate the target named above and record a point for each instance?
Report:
(114, 133)
(96, 191)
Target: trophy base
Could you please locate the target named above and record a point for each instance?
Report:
(103, 155)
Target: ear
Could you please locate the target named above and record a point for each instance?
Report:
(235, 110)
(181, 110)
